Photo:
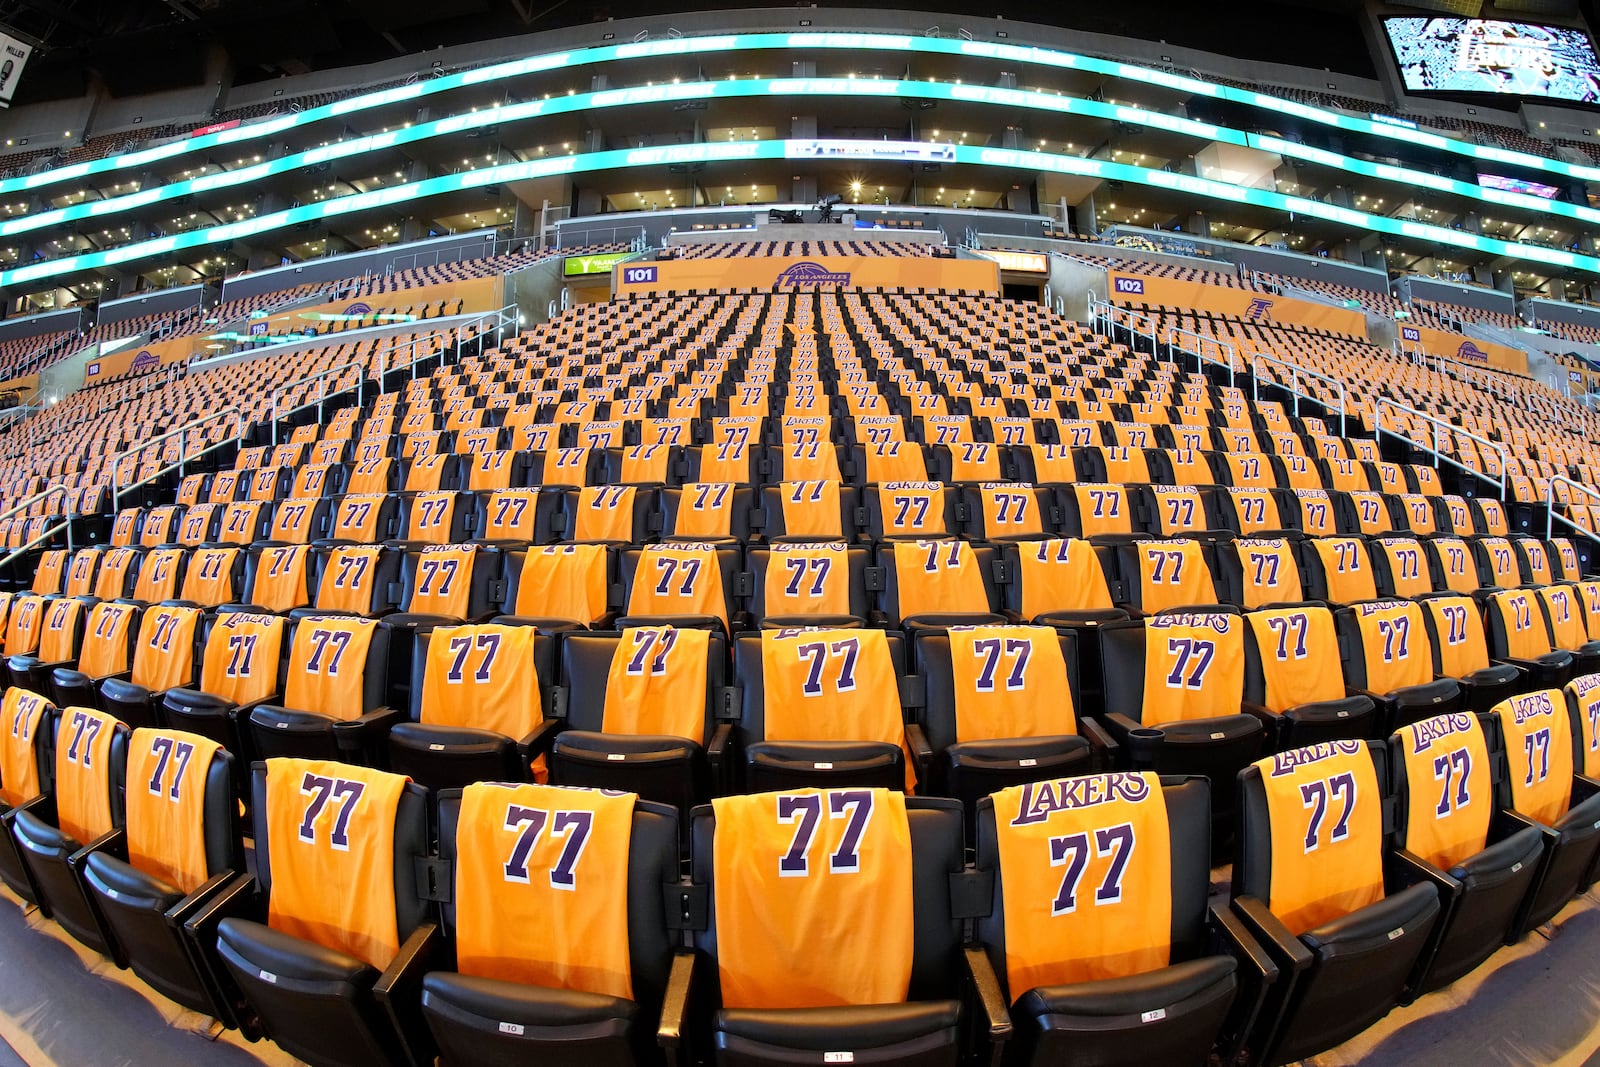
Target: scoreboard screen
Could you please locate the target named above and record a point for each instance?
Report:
(1456, 55)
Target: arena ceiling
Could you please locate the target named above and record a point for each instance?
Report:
(139, 46)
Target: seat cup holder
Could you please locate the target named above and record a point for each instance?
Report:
(1143, 743)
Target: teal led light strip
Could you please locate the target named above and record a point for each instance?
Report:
(834, 150)
(780, 87)
(755, 41)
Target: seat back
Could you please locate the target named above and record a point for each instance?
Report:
(1387, 645)
(619, 514)
(278, 578)
(27, 746)
(776, 864)
(338, 666)
(1311, 832)
(164, 652)
(1516, 625)
(1161, 575)
(181, 812)
(485, 677)
(159, 574)
(1006, 511)
(336, 849)
(1122, 910)
(997, 682)
(707, 511)
(1454, 564)
(61, 638)
(1444, 785)
(809, 511)
(1583, 700)
(108, 639)
(456, 581)
(243, 661)
(359, 579)
(795, 581)
(1539, 754)
(118, 570)
(1563, 613)
(587, 867)
(936, 578)
(909, 509)
(1339, 570)
(644, 680)
(1291, 657)
(91, 763)
(819, 667)
(1258, 571)
(1055, 575)
(1497, 562)
(681, 579)
(25, 624)
(1456, 632)
(1174, 667)
(1402, 566)
(561, 582)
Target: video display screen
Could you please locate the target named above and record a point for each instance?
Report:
(1456, 55)
(1517, 185)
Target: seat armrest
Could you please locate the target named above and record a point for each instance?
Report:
(413, 961)
(1583, 787)
(355, 734)
(399, 990)
(717, 755)
(675, 1004)
(921, 751)
(1506, 821)
(1107, 752)
(180, 912)
(1257, 973)
(112, 841)
(1229, 935)
(238, 899)
(1271, 720)
(240, 713)
(987, 987)
(1403, 868)
(412, 621)
(1269, 930)
(42, 806)
(538, 742)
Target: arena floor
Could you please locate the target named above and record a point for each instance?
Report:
(1536, 1004)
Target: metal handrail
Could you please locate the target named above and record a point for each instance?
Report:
(178, 432)
(1175, 334)
(1104, 311)
(1297, 371)
(282, 390)
(50, 531)
(1550, 516)
(44, 535)
(1107, 313)
(1436, 424)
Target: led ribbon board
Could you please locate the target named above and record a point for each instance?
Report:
(580, 57)
(623, 159)
(1013, 98)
